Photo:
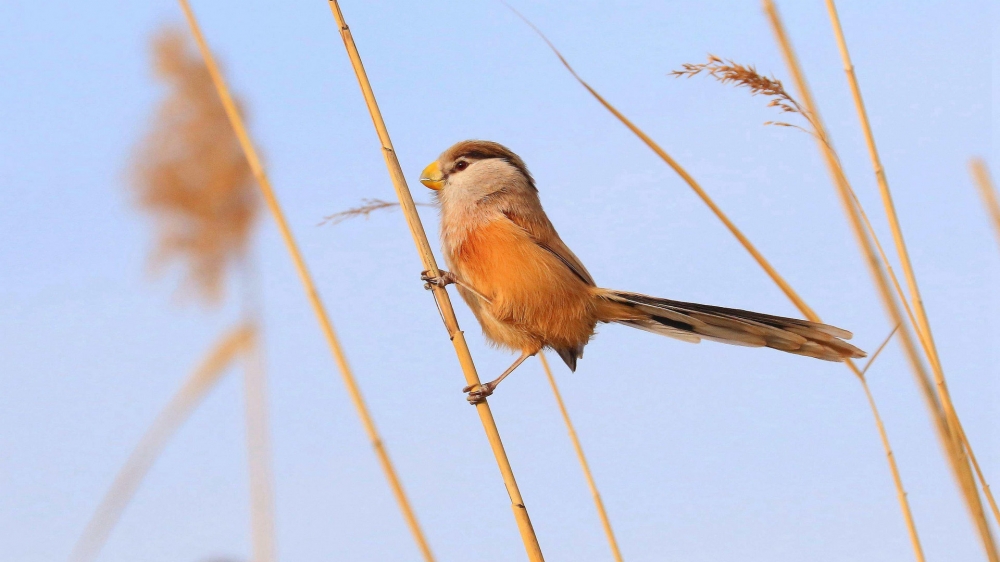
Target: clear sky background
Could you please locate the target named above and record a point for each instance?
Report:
(702, 452)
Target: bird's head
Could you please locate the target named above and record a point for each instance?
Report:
(474, 169)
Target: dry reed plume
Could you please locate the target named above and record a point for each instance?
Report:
(191, 176)
(730, 72)
(367, 207)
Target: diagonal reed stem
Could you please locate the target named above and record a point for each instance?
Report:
(785, 287)
(601, 512)
(131, 474)
(923, 329)
(981, 174)
(942, 415)
(440, 294)
(304, 276)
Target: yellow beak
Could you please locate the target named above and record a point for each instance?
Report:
(432, 176)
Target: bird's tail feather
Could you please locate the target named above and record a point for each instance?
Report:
(693, 322)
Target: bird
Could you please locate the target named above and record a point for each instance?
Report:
(530, 292)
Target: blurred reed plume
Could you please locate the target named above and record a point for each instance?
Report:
(191, 176)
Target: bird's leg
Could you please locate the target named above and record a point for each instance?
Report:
(445, 278)
(479, 394)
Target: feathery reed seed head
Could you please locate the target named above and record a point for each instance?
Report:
(190, 174)
(730, 72)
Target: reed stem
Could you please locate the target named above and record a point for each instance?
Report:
(785, 287)
(601, 512)
(173, 415)
(259, 456)
(981, 175)
(440, 294)
(944, 417)
(307, 282)
(923, 327)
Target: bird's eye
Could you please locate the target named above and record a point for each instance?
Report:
(461, 165)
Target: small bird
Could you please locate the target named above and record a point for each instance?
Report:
(529, 291)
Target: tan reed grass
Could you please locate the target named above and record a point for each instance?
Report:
(771, 272)
(528, 536)
(250, 152)
(987, 190)
(191, 176)
(601, 512)
(981, 176)
(944, 417)
(173, 415)
(923, 329)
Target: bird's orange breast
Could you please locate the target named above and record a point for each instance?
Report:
(535, 299)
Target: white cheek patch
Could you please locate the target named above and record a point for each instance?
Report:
(480, 179)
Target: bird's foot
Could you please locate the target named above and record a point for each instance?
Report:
(478, 393)
(442, 278)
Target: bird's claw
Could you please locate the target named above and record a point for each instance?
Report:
(443, 280)
(480, 393)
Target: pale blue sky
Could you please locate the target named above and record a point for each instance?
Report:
(702, 453)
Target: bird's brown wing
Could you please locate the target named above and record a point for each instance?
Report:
(544, 234)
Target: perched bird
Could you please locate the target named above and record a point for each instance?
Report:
(529, 291)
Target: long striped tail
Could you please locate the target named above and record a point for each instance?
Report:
(694, 322)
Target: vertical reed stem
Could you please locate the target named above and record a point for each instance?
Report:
(261, 476)
(259, 454)
(922, 324)
(440, 294)
(131, 474)
(300, 266)
(944, 418)
(601, 512)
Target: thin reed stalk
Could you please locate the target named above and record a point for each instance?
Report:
(236, 121)
(923, 329)
(259, 455)
(944, 417)
(981, 175)
(166, 423)
(601, 512)
(785, 287)
(528, 537)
